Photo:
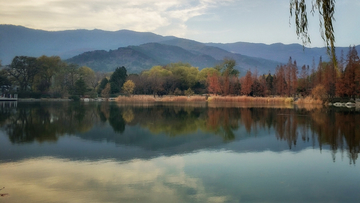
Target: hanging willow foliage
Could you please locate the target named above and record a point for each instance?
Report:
(326, 9)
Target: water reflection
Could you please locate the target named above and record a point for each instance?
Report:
(196, 177)
(103, 181)
(181, 123)
(108, 152)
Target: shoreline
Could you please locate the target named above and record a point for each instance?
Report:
(205, 98)
(201, 98)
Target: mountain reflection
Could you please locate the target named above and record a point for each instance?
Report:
(47, 122)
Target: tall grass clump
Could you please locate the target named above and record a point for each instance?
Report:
(195, 98)
(150, 98)
(309, 100)
(247, 99)
(136, 98)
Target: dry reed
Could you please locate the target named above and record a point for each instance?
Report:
(136, 98)
(150, 98)
(308, 100)
(247, 99)
(198, 98)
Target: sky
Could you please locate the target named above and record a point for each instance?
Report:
(225, 21)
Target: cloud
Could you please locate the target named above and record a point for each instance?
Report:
(58, 180)
(138, 15)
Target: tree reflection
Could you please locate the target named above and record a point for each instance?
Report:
(46, 122)
(116, 120)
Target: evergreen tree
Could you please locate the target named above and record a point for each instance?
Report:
(117, 79)
(80, 86)
(102, 85)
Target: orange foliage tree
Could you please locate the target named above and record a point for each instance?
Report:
(246, 83)
(348, 83)
(213, 84)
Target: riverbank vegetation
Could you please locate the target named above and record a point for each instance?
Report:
(51, 77)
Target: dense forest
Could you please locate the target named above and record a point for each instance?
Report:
(51, 77)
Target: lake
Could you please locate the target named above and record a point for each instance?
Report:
(203, 152)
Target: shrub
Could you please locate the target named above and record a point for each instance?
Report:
(177, 92)
(74, 97)
(189, 92)
(319, 93)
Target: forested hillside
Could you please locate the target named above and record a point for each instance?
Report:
(139, 58)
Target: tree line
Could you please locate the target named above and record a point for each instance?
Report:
(50, 77)
(53, 77)
(322, 80)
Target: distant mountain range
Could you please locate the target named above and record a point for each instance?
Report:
(281, 52)
(106, 50)
(138, 58)
(18, 40)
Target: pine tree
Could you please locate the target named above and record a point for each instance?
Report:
(117, 79)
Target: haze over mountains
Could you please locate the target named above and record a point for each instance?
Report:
(106, 50)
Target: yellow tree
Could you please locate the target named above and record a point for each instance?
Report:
(88, 75)
(128, 87)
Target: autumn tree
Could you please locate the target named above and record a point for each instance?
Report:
(329, 77)
(128, 87)
(213, 84)
(228, 71)
(280, 83)
(319, 92)
(303, 86)
(205, 72)
(141, 83)
(234, 85)
(290, 73)
(269, 79)
(246, 83)
(259, 86)
(349, 83)
(294, 78)
(106, 91)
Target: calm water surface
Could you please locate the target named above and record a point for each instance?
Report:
(107, 152)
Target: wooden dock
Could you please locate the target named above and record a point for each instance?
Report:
(9, 97)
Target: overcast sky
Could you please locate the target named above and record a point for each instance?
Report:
(261, 21)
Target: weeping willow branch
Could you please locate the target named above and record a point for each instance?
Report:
(326, 10)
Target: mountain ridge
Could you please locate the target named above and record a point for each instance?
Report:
(164, 53)
(69, 44)
(19, 40)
